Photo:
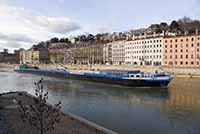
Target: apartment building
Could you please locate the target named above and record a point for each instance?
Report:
(28, 56)
(57, 52)
(22, 56)
(118, 52)
(69, 55)
(85, 53)
(107, 53)
(181, 51)
(144, 51)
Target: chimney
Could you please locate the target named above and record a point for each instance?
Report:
(166, 33)
(140, 36)
(154, 34)
(185, 33)
(127, 37)
(145, 35)
(133, 38)
(163, 33)
(196, 31)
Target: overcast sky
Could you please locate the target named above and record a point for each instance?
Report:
(25, 22)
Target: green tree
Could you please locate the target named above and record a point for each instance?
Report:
(62, 40)
(54, 40)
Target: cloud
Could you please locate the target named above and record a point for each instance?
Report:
(13, 45)
(30, 19)
(20, 27)
(10, 44)
(15, 41)
(61, 25)
(16, 38)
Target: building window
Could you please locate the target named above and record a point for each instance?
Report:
(192, 63)
(192, 45)
(192, 39)
(170, 63)
(181, 40)
(192, 56)
(176, 46)
(165, 46)
(165, 41)
(176, 56)
(186, 56)
(186, 39)
(186, 62)
(186, 45)
(171, 41)
(181, 63)
(170, 46)
(176, 40)
(181, 56)
(181, 50)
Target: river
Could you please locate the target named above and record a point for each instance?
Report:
(172, 110)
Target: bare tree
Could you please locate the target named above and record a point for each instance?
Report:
(41, 116)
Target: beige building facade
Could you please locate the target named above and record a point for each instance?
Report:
(118, 52)
(57, 52)
(85, 53)
(28, 56)
(107, 53)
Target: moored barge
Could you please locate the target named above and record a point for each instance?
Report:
(131, 78)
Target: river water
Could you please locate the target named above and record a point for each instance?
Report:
(173, 110)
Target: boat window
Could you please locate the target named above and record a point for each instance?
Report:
(137, 75)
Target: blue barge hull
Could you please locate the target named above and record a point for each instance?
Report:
(102, 79)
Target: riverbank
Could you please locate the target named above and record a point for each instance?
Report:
(10, 66)
(12, 123)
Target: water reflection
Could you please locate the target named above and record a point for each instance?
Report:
(122, 109)
(118, 108)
